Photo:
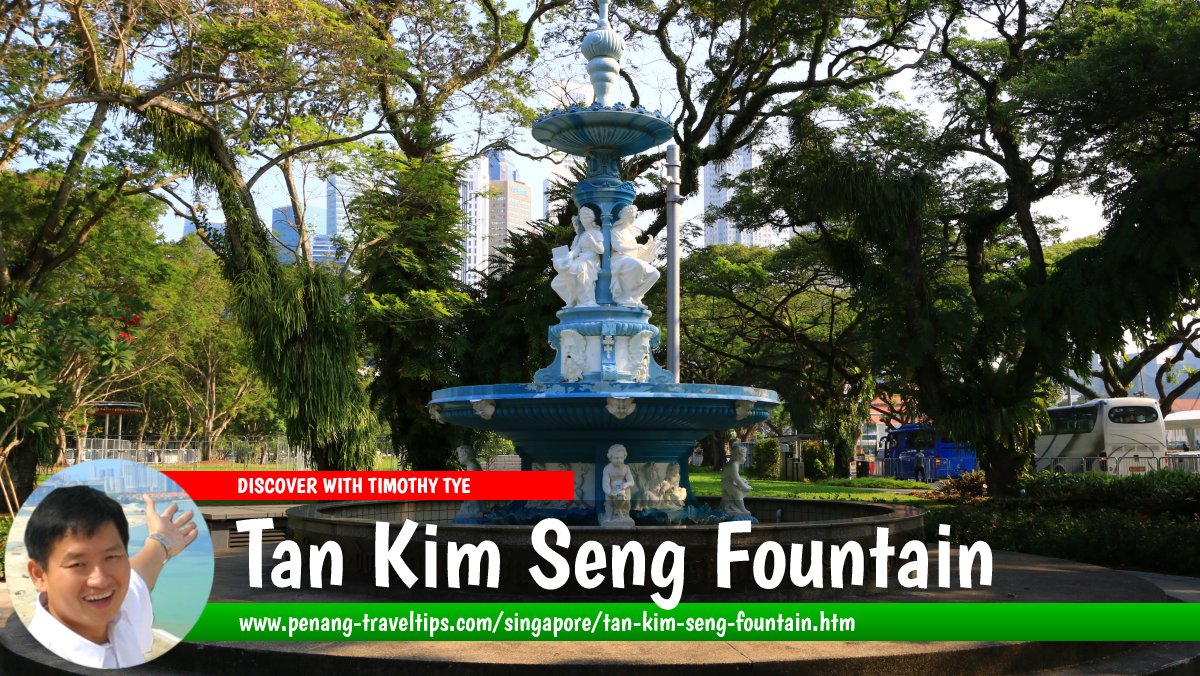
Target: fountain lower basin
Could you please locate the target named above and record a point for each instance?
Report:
(573, 425)
(568, 422)
(352, 525)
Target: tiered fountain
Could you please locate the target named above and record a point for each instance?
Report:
(604, 387)
(603, 408)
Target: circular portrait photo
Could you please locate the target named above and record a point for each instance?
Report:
(109, 564)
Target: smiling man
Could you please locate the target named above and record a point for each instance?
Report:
(94, 599)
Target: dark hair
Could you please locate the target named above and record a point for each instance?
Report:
(71, 510)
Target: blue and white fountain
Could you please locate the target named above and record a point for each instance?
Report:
(604, 389)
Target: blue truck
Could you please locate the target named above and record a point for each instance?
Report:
(919, 451)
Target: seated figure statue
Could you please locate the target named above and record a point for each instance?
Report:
(633, 271)
(733, 487)
(618, 484)
(671, 495)
(578, 267)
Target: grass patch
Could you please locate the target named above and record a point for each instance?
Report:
(709, 483)
(875, 482)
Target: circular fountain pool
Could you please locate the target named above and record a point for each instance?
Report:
(353, 527)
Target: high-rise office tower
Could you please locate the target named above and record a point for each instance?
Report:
(340, 191)
(716, 195)
(509, 210)
(473, 193)
(283, 224)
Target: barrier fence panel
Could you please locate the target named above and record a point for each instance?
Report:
(245, 453)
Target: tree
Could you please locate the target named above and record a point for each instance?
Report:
(779, 319)
(411, 300)
(206, 375)
(738, 66)
(977, 319)
(72, 305)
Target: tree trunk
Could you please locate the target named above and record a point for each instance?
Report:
(60, 447)
(1003, 470)
(22, 463)
(714, 448)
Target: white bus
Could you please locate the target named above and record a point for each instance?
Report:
(1120, 436)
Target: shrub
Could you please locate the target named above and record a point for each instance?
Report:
(1149, 521)
(962, 488)
(1108, 537)
(767, 460)
(818, 460)
(1166, 492)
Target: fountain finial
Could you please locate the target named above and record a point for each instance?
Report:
(603, 48)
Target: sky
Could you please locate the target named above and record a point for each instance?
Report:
(1079, 214)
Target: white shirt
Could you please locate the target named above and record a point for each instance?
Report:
(129, 636)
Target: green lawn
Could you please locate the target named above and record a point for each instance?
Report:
(709, 483)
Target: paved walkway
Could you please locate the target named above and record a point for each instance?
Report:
(1016, 578)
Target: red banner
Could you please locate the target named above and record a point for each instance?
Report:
(310, 486)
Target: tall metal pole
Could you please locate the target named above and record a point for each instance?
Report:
(673, 201)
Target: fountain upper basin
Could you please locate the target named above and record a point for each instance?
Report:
(578, 130)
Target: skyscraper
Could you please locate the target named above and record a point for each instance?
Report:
(283, 225)
(715, 195)
(509, 210)
(340, 191)
(473, 188)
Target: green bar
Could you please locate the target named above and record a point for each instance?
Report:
(698, 622)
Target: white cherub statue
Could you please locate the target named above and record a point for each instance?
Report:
(618, 484)
(671, 495)
(733, 487)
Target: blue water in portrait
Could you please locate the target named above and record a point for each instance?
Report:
(182, 589)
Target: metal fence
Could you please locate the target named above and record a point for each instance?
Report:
(268, 453)
(1118, 464)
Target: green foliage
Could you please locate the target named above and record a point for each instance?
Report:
(514, 306)
(818, 460)
(767, 459)
(967, 487)
(1104, 536)
(41, 344)
(1154, 493)
(779, 319)
(1149, 521)
(197, 355)
(410, 301)
(306, 347)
